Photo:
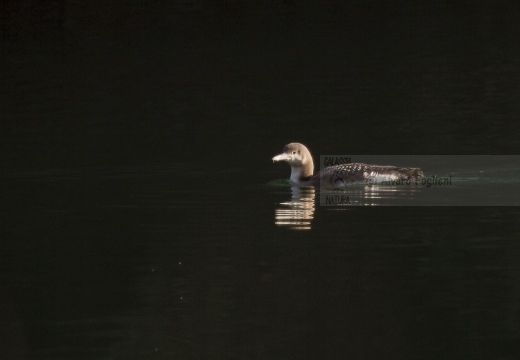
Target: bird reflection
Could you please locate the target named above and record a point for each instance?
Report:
(297, 214)
(368, 195)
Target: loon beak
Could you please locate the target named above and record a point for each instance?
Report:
(282, 157)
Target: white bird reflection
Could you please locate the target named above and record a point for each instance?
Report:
(389, 195)
(297, 214)
(368, 195)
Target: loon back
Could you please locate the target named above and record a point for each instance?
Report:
(340, 175)
(302, 169)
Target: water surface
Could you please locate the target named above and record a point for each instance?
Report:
(142, 218)
(145, 262)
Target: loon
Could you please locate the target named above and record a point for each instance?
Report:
(302, 170)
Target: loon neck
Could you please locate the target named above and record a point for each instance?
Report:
(302, 173)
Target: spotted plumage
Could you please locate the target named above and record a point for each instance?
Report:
(302, 170)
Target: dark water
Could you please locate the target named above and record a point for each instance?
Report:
(142, 218)
(128, 263)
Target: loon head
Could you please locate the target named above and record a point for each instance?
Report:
(300, 159)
